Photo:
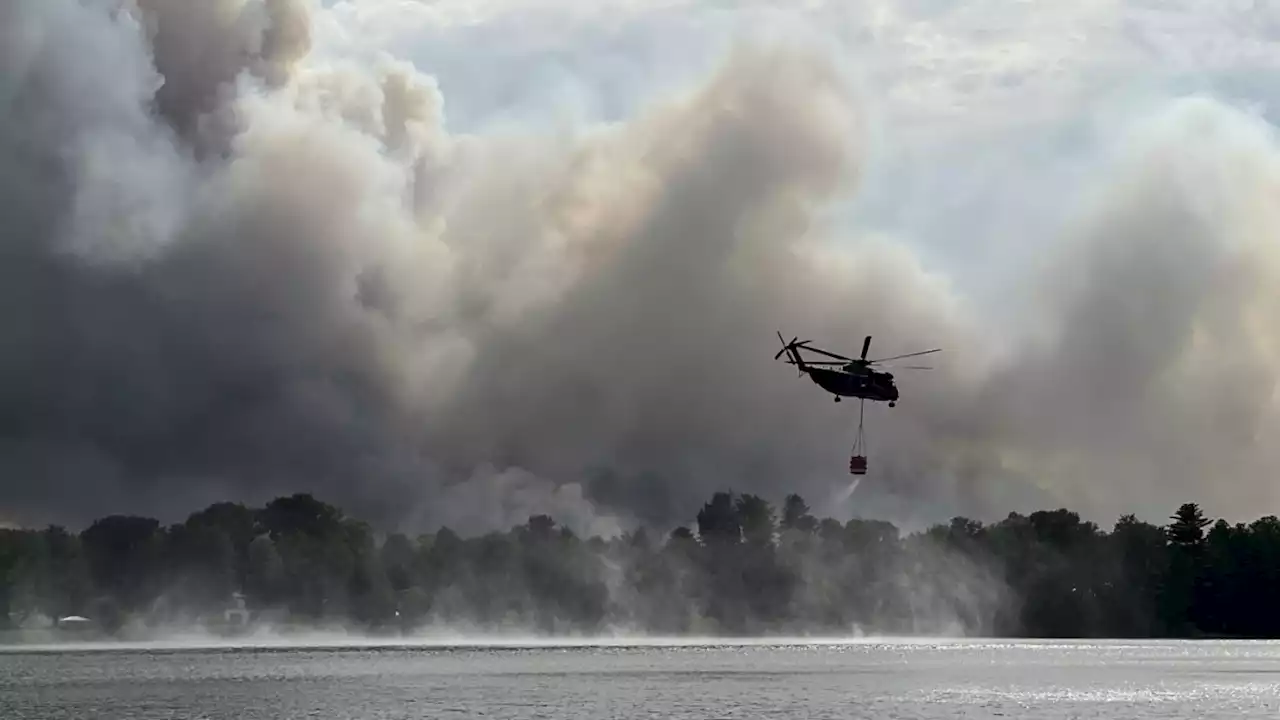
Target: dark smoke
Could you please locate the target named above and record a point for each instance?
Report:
(235, 270)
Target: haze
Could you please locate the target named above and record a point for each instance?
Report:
(467, 262)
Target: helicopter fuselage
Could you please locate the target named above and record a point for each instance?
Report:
(847, 377)
(866, 385)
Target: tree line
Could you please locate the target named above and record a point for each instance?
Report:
(744, 568)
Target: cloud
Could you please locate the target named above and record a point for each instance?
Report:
(253, 251)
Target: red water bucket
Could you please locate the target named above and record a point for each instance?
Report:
(858, 465)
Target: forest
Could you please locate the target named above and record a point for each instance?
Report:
(744, 568)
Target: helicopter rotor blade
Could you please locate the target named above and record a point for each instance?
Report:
(827, 353)
(899, 357)
(866, 345)
(796, 344)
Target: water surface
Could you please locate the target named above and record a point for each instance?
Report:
(892, 679)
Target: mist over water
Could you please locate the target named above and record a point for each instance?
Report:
(196, 638)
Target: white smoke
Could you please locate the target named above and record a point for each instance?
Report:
(239, 264)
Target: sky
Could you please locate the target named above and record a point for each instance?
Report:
(465, 261)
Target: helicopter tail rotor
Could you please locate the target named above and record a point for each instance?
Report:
(793, 357)
(786, 346)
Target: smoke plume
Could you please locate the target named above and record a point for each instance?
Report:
(236, 267)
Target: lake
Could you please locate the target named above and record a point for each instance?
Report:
(856, 679)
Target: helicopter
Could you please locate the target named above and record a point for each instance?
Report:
(848, 377)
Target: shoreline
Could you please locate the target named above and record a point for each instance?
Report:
(302, 639)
